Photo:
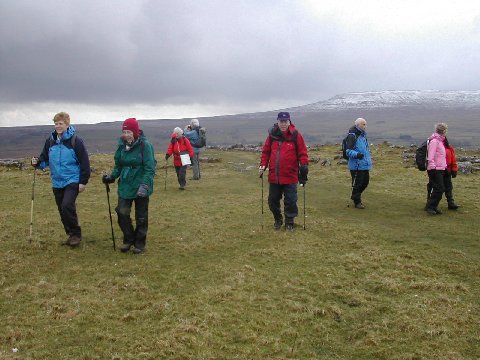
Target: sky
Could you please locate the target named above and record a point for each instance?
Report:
(107, 60)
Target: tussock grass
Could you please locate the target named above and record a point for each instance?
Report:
(388, 282)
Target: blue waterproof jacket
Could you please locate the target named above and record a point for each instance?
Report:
(67, 164)
(356, 147)
(193, 136)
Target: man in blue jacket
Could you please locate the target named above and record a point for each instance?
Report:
(65, 153)
(192, 133)
(359, 160)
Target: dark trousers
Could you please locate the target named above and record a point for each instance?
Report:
(181, 175)
(196, 166)
(275, 194)
(360, 180)
(65, 199)
(448, 185)
(138, 236)
(437, 187)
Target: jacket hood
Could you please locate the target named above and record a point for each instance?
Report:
(437, 136)
(276, 132)
(357, 131)
(66, 135)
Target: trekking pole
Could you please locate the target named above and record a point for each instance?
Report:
(261, 177)
(166, 167)
(31, 208)
(354, 181)
(304, 216)
(107, 187)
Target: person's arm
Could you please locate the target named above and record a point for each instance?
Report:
(83, 160)
(189, 147)
(42, 161)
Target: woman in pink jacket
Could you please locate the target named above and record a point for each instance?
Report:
(437, 163)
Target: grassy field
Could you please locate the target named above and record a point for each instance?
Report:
(217, 282)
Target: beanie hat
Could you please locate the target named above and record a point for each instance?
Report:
(132, 125)
(283, 116)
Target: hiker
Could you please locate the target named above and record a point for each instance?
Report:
(436, 166)
(283, 151)
(450, 172)
(135, 168)
(192, 133)
(359, 160)
(182, 152)
(65, 153)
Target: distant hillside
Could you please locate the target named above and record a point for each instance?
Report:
(400, 117)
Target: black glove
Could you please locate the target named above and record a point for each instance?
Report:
(454, 174)
(448, 173)
(167, 156)
(302, 174)
(142, 190)
(173, 141)
(360, 156)
(108, 179)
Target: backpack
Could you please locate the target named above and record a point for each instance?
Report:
(421, 156)
(344, 145)
(142, 147)
(202, 137)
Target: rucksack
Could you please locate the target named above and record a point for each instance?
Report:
(344, 145)
(202, 137)
(421, 156)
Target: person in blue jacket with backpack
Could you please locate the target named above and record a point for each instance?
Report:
(192, 133)
(359, 160)
(65, 153)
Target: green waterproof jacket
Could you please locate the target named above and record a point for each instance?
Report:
(134, 167)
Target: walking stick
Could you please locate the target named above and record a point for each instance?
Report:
(31, 209)
(261, 176)
(304, 216)
(166, 167)
(107, 187)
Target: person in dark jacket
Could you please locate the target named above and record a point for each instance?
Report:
(359, 160)
(283, 151)
(135, 168)
(65, 153)
(179, 145)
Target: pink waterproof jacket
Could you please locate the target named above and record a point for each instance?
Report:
(437, 156)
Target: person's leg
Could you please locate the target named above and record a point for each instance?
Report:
(274, 197)
(447, 182)
(123, 210)
(436, 180)
(196, 166)
(58, 193)
(65, 199)
(182, 176)
(360, 181)
(290, 204)
(141, 220)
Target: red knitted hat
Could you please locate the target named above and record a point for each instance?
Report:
(132, 125)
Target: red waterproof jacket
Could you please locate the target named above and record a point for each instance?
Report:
(451, 158)
(282, 156)
(177, 146)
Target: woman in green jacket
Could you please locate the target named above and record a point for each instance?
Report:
(135, 168)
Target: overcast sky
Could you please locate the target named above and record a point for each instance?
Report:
(106, 60)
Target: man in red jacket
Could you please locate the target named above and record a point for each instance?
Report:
(285, 155)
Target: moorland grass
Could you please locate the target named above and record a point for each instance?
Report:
(217, 282)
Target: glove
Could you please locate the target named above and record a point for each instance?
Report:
(261, 170)
(448, 173)
(360, 156)
(34, 161)
(454, 174)
(108, 179)
(166, 156)
(173, 141)
(142, 190)
(302, 176)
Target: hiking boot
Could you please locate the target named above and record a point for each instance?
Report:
(125, 247)
(432, 211)
(359, 206)
(290, 227)
(182, 187)
(67, 242)
(438, 211)
(278, 224)
(453, 206)
(138, 251)
(74, 240)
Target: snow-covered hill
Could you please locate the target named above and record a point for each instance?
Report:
(394, 99)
